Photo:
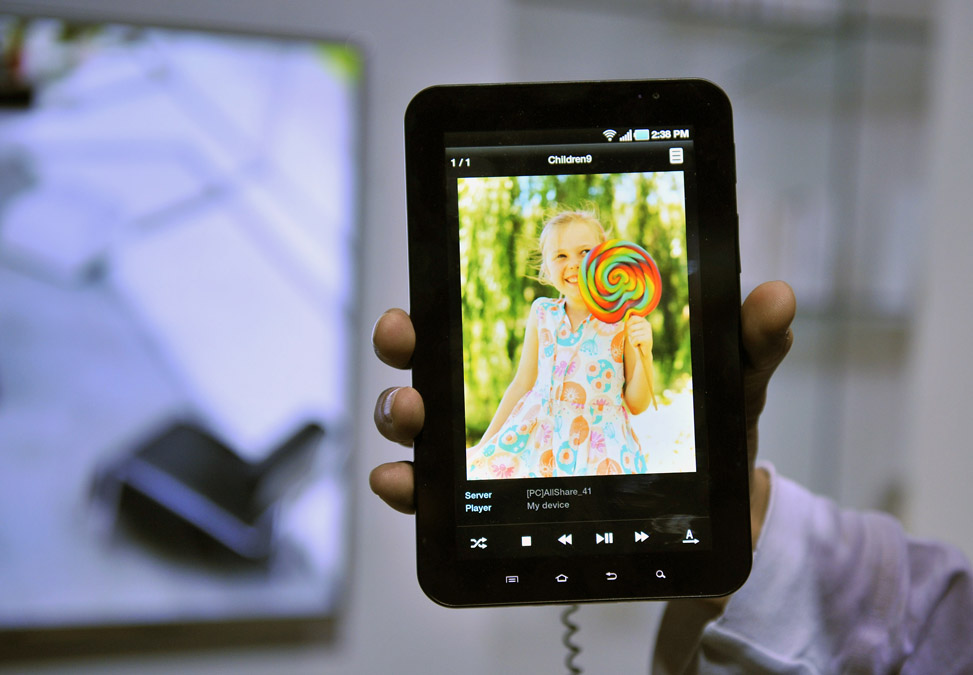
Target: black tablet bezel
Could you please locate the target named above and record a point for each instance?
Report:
(437, 362)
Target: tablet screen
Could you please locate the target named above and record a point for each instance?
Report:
(574, 436)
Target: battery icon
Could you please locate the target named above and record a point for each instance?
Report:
(641, 134)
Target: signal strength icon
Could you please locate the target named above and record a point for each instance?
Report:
(609, 134)
(627, 136)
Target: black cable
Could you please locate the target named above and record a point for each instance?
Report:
(573, 649)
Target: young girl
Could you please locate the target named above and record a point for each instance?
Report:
(566, 412)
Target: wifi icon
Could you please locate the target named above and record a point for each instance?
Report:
(609, 134)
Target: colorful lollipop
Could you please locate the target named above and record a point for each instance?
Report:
(619, 279)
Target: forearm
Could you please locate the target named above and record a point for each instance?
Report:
(638, 387)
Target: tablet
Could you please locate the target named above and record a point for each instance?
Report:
(574, 277)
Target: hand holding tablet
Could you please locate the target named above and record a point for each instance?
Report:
(400, 412)
(542, 474)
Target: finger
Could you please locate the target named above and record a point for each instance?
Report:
(395, 484)
(766, 318)
(399, 414)
(767, 315)
(394, 338)
(640, 337)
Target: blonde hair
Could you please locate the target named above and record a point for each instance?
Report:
(557, 221)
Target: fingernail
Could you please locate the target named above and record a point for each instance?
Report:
(375, 328)
(387, 405)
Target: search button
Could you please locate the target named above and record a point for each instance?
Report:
(660, 574)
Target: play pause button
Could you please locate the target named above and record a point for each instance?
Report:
(607, 538)
(640, 537)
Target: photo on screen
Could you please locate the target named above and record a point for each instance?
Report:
(178, 219)
(587, 402)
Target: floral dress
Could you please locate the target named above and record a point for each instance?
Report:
(574, 420)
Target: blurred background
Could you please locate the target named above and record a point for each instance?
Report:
(178, 226)
(854, 152)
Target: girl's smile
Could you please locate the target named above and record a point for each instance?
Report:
(564, 253)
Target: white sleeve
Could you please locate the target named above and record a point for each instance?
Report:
(831, 591)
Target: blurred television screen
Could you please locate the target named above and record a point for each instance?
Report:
(178, 223)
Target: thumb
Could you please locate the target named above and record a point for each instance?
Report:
(766, 318)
